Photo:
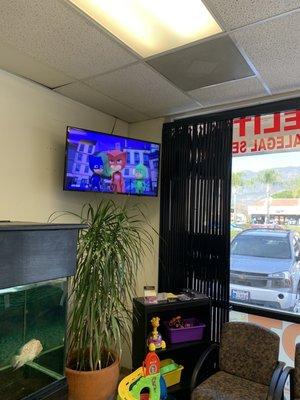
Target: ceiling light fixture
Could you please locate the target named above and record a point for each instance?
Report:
(152, 26)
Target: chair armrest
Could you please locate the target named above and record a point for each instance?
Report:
(279, 391)
(275, 378)
(210, 354)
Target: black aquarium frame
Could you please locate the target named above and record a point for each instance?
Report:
(122, 137)
(24, 259)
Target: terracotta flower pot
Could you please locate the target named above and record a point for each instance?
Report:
(93, 385)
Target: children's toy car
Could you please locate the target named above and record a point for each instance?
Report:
(155, 340)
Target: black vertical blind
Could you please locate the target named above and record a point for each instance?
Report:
(195, 212)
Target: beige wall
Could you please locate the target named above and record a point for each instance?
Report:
(148, 274)
(149, 130)
(33, 123)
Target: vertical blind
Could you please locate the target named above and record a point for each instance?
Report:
(195, 211)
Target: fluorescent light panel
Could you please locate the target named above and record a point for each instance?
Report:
(152, 26)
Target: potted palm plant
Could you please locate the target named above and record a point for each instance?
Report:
(109, 255)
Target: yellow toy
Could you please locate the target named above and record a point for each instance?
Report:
(154, 340)
(148, 376)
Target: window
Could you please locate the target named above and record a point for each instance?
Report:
(296, 244)
(265, 215)
(146, 159)
(90, 149)
(77, 169)
(81, 147)
(136, 158)
(86, 169)
(261, 246)
(79, 156)
(155, 164)
(128, 157)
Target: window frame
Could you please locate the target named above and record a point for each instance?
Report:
(268, 107)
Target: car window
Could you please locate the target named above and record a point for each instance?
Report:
(261, 246)
(297, 245)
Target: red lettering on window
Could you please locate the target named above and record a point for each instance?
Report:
(257, 125)
(242, 125)
(294, 117)
(276, 124)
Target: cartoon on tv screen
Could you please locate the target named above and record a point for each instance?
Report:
(101, 162)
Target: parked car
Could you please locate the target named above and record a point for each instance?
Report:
(270, 225)
(235, 227)
(265, 268)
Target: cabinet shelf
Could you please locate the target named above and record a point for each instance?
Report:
(178, 346)
(186, 353)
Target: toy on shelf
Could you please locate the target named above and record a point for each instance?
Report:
(179, 330)
(179, 322)
(146, 377)
(170, 371)
(154, 340)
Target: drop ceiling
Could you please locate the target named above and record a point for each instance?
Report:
(256, 55)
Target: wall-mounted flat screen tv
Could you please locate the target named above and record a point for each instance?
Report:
(100, 162)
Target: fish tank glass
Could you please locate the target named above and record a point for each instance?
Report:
(32, 337)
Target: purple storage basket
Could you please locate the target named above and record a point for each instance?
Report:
(179, 335)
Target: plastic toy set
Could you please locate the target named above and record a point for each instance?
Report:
(146, 377)
(156, 376)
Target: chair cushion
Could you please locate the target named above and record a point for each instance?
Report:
(297, 371)
(249, 351)
(223, 386)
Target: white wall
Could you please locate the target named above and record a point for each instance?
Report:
(33, 124)
(149, 130)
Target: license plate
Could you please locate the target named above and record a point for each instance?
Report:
(240, 295)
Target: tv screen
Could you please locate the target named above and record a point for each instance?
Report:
(100, 162)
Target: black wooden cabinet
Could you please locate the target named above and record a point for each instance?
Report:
(186, 353)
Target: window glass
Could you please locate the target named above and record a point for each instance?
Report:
(261, 246)
(146, 159)
(136, 158)
(265, 212)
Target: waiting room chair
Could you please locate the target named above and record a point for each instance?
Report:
(294, 374)
(244, 367)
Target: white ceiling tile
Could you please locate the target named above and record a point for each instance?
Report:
(237, 13)
(84, 94)
(229, 92)
(145, 90)
(273, 47)
(19, 63)
(56, 33)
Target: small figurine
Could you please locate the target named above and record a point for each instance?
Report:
(176, 322)
(140, 174)
(117, 162)
(96, 166)
(154, 340)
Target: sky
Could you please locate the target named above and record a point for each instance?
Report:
(265, 161)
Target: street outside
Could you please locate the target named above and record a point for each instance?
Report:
(265, 231)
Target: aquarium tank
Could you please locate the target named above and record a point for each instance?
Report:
(32, 337)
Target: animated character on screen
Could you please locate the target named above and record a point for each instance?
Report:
(96, 166)
(140, 174)
(117, 161)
